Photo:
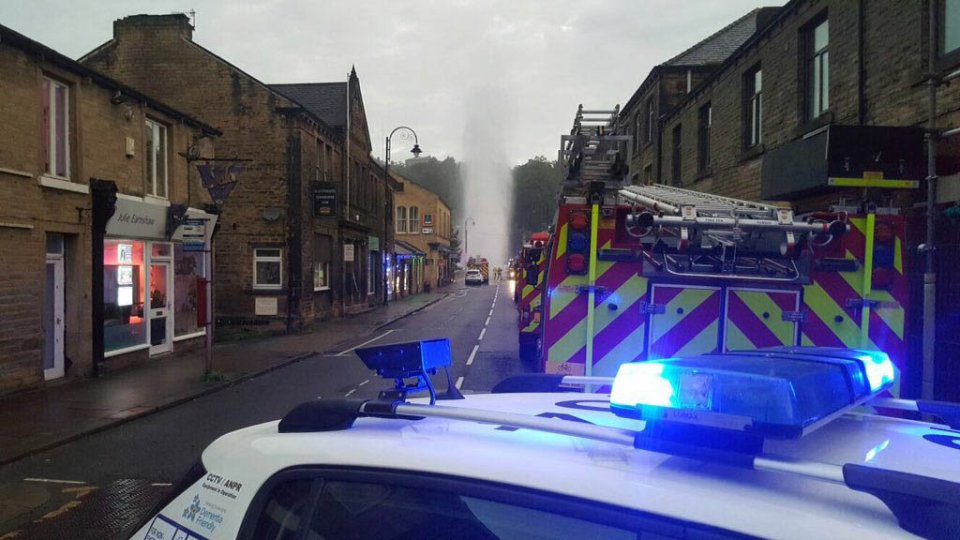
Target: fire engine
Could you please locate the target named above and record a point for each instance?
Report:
(529, 289)
(655, 271)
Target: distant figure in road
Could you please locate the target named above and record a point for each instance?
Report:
(497, 273)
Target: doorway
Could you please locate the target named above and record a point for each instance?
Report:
(160, 302)
(53, 367)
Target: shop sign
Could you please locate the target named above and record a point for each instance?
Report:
(135, 219)
(373, 243)
(324, 199)
(194, 234)
(427, 230)
(348, 252)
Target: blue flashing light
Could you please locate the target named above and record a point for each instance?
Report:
(879, 369)
(782, 396)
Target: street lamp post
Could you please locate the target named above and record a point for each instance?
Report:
(466, 244)
(416, 151)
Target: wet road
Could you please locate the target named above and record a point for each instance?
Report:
(102, 484)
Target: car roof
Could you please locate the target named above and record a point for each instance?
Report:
(747, 501)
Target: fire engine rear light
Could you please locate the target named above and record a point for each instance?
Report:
(579, 221)
(576, 264)
(781, 397)
(577, 241)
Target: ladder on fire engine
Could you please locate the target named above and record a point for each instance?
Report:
(706, 235)
(595, 151)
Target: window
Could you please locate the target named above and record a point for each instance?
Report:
(285, 511)
(705, 119)
(188, 266)
(675, 161)
(648, 174)
(401, 219)
(818, 69)
(328, 162)
(318, 164)
(56, 128)
(753, 104)
(370, 267)
(414, 220)
(156, 158)
(637, 132)
(321, 262)
(651, 118)
(950, 28)
(267, 268)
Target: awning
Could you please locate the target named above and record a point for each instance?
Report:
(403, 248)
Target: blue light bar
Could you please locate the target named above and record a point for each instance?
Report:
(779, 395)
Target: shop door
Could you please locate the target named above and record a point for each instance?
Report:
(53, 320)
(684, 320)
(161, 321)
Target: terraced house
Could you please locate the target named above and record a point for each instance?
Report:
(305, 231)
(98, 267)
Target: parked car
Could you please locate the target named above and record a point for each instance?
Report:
(473, 277)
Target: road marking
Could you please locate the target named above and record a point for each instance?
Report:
(53, 481)
(488, 321)
(364, 382)
(459, 382)
(351, 349)
(350, 393)
(472, 354)
(490, 314)
(482, 333)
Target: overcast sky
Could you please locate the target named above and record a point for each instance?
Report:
(525, 64)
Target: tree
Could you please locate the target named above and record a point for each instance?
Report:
(536, 187)
(441, 177)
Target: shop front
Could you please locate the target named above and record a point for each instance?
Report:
(152, 289)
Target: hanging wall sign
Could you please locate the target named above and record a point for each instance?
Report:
(324, 199)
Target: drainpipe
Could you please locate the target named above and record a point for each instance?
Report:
(930, 276)
(103, 194)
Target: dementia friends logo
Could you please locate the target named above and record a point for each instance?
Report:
(205, 516)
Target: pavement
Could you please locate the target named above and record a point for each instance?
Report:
(41, 419)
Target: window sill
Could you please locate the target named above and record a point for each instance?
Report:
(266, 292)
(752, 152)
(15, 172)
(153, 199)
(321, 289)
(805, 129)
(64, 185)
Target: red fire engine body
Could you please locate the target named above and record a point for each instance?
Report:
(645, 272)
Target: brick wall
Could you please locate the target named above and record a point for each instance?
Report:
(98, 131)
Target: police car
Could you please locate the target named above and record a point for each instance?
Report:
(776, 443)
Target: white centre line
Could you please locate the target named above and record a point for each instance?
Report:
(488, 321)
(490, 314)
(473, 353)
(388, 332)
(459, 382)
(364, 382)
(53, 481)
(350, 393)
(482, 332)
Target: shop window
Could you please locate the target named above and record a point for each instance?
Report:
(321, 263)
(124, 322)
(56, 127)
(155, 137)
(267, 268)
(188, 266)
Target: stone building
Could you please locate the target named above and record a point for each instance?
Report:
(824, 78)
(97, 271)
(668, 84)
(423, 221)
(303, 233)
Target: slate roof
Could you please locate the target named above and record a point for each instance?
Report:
(719, 46)
(326, 100)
